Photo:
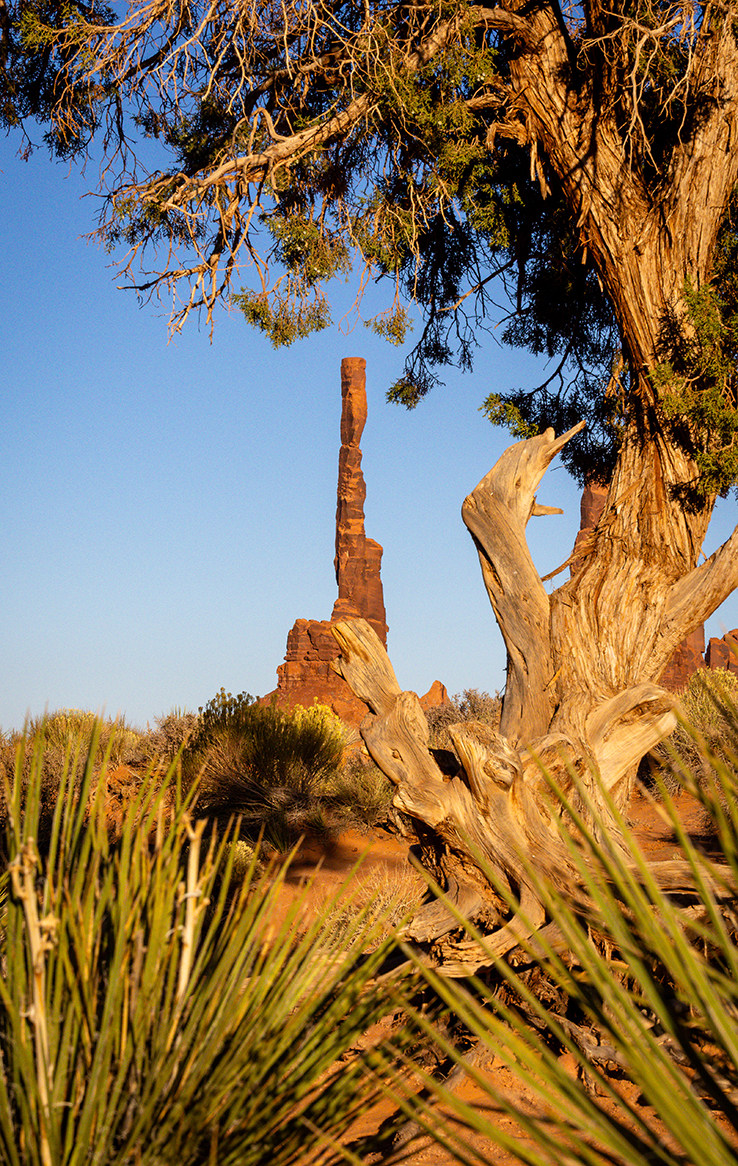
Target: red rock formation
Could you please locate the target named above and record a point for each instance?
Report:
(358, 558)
(436, 694)
(593, 501)
(687, 659)
(723, 653)
(306, 675)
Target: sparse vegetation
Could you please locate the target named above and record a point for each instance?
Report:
(707, 723)
(636, 985)
(64, 745)
(151, 1015)
(160, 987)
(358, 793)
(170, 734)
(469, 705)
(386, 897)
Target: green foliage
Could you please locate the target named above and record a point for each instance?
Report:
(152, 1013)
(310, 253)
(306, 248)
(281, 318)
(505, 412)
(224, 713)
(648, 995)
(392, 326)
(405, 141)
(698, 386)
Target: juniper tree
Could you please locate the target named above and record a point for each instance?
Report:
(580, 159)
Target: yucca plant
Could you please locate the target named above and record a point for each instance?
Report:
(636, 981)
(152, 1009)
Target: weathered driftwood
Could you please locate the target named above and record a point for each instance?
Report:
(581, 699)
(496, 514)
(477, 830)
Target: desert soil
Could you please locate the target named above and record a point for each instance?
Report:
(382, 855)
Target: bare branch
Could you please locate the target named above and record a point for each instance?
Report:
(698, 594)
(496, 514)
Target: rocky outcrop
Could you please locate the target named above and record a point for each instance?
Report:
(358, 559)
(306, 675)
(688, 659)
(437, 694)
(723, 653)
(593, 501)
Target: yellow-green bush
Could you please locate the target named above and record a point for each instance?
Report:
(706, 727)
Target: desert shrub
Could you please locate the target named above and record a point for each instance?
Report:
(169, 735)
(264, 763)
(706, 729)
(62, 745)
(74, 730)
(470, 705)
(358, 793)
(147, 1015)
(323, 718)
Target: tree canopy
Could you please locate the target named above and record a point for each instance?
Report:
(516, 166)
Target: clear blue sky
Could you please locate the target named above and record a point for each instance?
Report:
(169, 507)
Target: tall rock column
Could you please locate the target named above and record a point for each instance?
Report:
(306, 674)
(358, 558)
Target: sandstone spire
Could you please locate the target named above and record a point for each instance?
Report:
(306, 674)
(358, 558)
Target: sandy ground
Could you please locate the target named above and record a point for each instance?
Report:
(380, 853)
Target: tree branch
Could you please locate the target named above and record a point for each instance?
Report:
(698, 594)
(496, 514)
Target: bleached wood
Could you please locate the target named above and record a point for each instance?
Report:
(365, 665)
(496, 514)
(622, 730)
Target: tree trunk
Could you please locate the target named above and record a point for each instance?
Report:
(582, 696)
(581, 699)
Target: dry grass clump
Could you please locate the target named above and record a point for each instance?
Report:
(470, 705)
(358, 794)
(706, 730)
(383, 899)
(170, 734)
